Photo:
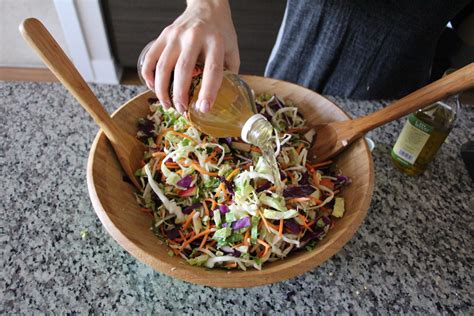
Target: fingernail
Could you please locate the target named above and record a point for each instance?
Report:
(166, 104)
(204, 106)
(150, 84)
(179, 107)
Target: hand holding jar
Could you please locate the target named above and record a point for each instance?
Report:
(204, 33)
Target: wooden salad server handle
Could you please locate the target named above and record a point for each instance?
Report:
(332, 138)
(129, 149)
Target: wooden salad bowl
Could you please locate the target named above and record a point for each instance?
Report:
(115, 204)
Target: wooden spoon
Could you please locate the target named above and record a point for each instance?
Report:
(129, 150)
(332, 138)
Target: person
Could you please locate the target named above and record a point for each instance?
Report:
(366, 49)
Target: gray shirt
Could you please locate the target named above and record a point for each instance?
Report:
(366, 49)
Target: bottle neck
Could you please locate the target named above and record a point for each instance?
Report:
(257, 130)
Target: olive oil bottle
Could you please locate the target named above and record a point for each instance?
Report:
(233, 114)
(423, 134)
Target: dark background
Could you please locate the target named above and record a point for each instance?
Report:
(132, 24)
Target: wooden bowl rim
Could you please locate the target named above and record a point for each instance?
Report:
(201, 276)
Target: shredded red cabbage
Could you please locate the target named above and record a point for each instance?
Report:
(146, 126)
(267, 185)
(298, 191)
(190, 208)
(173, 233)
(185, 182)
(223, 209)
(292, 226)
(241, 223)
(304, 178)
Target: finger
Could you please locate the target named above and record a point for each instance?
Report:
(164, 67)
(232, 61)
(212, 75)
(151, 57)
(183, 74)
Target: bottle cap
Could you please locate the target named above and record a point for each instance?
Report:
(248, 126)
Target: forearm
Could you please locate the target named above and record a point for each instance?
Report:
(218, 6)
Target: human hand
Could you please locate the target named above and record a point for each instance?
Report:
(205, 33)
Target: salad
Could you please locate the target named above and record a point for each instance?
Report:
(213, 200)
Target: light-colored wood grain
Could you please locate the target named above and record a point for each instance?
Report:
(128, 149)
(333, 137)
(117, 209)
(27, 74)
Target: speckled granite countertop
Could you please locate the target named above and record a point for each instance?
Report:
(412, 254)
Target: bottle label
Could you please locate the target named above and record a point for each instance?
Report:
(411, 141)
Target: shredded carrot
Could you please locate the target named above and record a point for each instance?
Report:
(264, 244)
(232, 174)
(304, 219)
(190, 234)
(214, 203)
(255, 149)
(180, 239)
(158, 154)
(201, 170)
(160, 135)
(310, 168)
(246, 237)
(211, 156)
(203, 242)
(183, 238)
(170, 163)
(220, 188)
(206, 210)
(321, 164)
(246, 166)
(280, 228)
(158, 164)
(266, 223)
(187, 242)
(292, 176)
(231, 264)
(300, 148)
(264, 220)
(188, 220)
(316, 179)
(226, 196)
(182, 135)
